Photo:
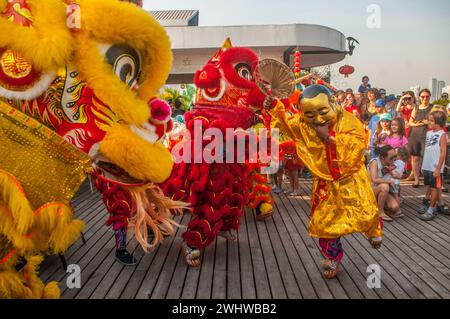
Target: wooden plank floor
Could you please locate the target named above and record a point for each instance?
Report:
(275, 258)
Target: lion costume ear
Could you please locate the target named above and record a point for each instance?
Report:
(34, 43)
(127, 24)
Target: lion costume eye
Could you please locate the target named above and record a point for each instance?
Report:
(244, 71)
(126, 63)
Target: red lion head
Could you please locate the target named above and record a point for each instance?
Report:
(227, 80)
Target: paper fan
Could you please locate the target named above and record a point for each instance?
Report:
(275, 78)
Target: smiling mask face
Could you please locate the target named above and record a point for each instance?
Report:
(317, 107)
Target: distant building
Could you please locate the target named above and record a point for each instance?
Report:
(416, 89)
(177, 18)
(193, 45)
(433, 88)
(440, 88)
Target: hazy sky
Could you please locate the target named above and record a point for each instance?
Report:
(411, 47)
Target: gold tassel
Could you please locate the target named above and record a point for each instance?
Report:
(153, 211)
(13, 196)
(55, 221)
(23, 244)
(26, 284)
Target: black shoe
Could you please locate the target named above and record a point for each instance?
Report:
(423, 210)
(443, 209)
(428, 216)
(124, 257)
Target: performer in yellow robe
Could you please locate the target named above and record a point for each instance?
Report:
(330, 142)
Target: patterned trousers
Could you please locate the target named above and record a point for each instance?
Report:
(332, 248)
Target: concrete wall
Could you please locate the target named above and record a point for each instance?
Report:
(193, 46)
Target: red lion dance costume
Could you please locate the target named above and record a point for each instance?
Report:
(227, 98)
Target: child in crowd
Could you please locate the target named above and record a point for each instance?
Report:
(433, 163)
(293, 165)
(277, 180)
(373, 123)
(396, 173)
(350, 105)
(397, 138)
(382, 133)
(391, 105)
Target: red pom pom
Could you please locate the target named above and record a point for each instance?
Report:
(320, 82)
(160, 111)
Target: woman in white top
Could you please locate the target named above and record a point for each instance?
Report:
(378, 168)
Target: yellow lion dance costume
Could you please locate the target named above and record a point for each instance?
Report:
(77, 87)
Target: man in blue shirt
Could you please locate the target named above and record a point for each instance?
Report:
(365, 86)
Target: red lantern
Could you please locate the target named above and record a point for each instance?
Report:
(346, 70)
(297, 62)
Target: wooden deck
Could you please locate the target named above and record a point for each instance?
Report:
(275, 258)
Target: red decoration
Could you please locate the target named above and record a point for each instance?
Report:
(306, 82)
(297, 62)
(18, 11)
(160, 111)
(346, 70)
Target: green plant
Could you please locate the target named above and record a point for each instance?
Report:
(443, 102)
(175, 99)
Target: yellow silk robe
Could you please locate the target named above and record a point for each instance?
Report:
(343, 201)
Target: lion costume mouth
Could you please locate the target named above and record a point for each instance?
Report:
(111, 173)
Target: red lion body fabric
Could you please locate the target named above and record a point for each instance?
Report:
(227, 98)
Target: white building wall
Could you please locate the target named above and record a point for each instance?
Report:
(433, 88)
(440, 87)
(416, 89)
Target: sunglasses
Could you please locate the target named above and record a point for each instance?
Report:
(392, 158)
(425, 96)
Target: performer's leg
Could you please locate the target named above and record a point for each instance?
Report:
(333, 252)
(231, 224)
(122, 254)
(200, 234)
